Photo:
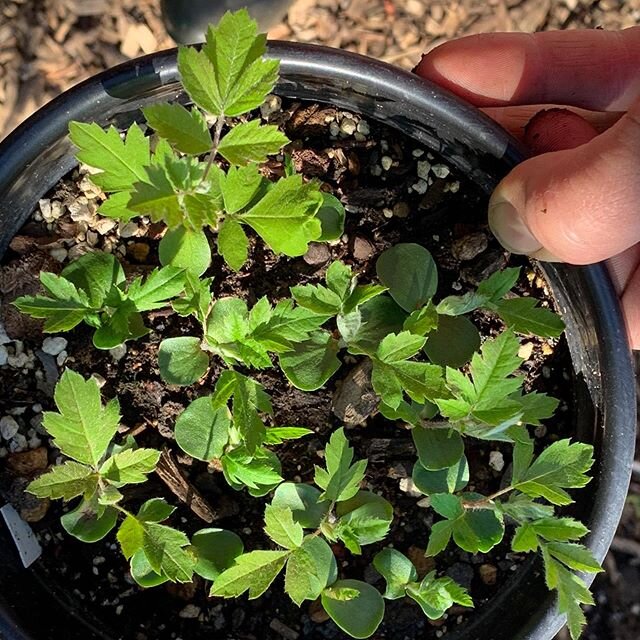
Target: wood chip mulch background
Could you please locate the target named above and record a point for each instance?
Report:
(46, 46)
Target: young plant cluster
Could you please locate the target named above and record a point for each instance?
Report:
(199, 173)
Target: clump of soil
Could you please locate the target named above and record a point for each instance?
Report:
(393, 192)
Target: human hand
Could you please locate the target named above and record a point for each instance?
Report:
(579, 201)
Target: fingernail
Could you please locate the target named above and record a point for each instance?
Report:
(509, 228)
(544, 255)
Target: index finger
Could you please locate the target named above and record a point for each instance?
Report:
(589, 69)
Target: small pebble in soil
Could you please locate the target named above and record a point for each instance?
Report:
(190, 612)
(420, 187)
(271, 105)
(58, 253)
(386, 162)
(525, 351)
(4, 355)
(470, 246)
(422, 169)
(363, 128)
(54, 345)
(318, 253)
(128, 230)
(408, 486)
(488, 574)
(8, 427)
(348, 126)
(440, 170)
(496, 460)
(401, 209)
(119, 352)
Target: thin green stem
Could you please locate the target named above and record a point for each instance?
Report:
(486, 502)
(217, 132)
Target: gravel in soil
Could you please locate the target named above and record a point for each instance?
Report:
(393, 192)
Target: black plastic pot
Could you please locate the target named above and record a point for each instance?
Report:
(39, 153)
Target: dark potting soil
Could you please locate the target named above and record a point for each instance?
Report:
(393, 192)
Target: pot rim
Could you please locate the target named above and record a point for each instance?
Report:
(401, 100)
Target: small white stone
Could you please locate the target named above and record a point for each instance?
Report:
(421, 186)
(8, 427)
(4, 355)
(61, 357)
(92, 238)
(18, 361)
(4, 338)
(128, 230)
(440, 170)
(348, 126)
(417, 153)
(104, 225)
(425, 503)
(34, 442)
(496, 460)
(408, 486)
(45, 209)
(386, 162)
(525, 350)
(36, 408)
(119, 352)
(334, 129)
(363, 128)
(58, 253)
(19, 443)
(100, 381)
(190, 611)
(376, 170)
(271, 105)
(422, 169)
(387, 213)
(54, 345)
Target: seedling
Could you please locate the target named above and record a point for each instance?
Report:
(93, 289)
(199, 173)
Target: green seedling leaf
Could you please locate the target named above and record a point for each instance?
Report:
(159, 286)
(449, 480)
(185, 249)
(97, 275)
(155, 510)
(67, 481)
(486, 395)
(459, 305)
(341, 479)
(251, 142)
(397, 570)
(529, 535)
(109, 495)
(281, 527)
(166, 551)
(242, 187)
(394, 374)
(253, 572)
(277, 435)
(285, 217)
(202, 431)
(563, 465)
(363, 519)
(311, 363)
(240, 78)
(522, 508)
(423, 321)
(216, 551)
(121, 161)
(259, 472)
(142, 572)
(310, 568)
(304, 501)
(186, 130)
(198, 78)
(83, 428)
(499, 284)
(331, 215)
(233, 244)
(181, 360)
(364, 328)
(130, 466)
(360, 615)
(196, 299)
(474, 529)
(522, 315)
(453, 343)
(410, 274)
(115, 206)
(537, 407)
(436, 595)
(89, 521)
(438, 448)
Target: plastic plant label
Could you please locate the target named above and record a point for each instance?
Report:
(28, 546)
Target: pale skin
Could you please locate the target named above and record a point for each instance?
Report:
(578, 199)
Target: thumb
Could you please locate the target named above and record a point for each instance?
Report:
(576, 204)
